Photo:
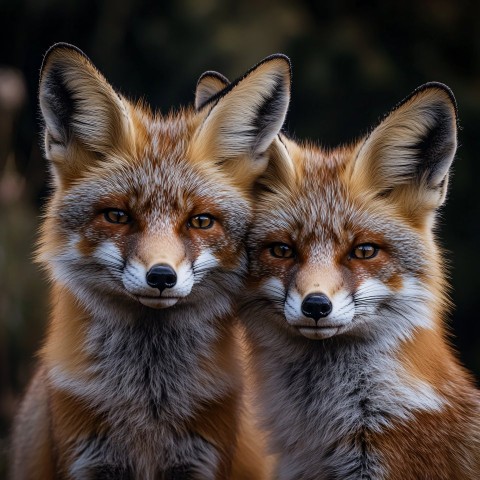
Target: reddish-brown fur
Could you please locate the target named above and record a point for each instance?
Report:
(381, 394)
(177, 396)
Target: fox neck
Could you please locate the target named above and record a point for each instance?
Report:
(166, 363)
(154, 386)
(339, 391)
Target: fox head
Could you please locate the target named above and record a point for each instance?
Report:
(150, 210)
(345, 246)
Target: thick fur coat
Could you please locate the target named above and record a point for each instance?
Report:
(140, 374)
(347, 303)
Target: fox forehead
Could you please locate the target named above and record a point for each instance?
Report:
(322, 216)
(158, 175)
(317, 207)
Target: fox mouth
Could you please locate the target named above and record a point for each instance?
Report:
(158, 302)
(318, 332)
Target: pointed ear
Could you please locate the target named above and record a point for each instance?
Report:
(209, 84)
(244, 119)
(80, 109)
(409, 153)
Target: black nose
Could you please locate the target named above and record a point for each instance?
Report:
(316, 305)
(161, 276)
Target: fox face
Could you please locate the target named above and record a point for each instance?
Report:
(151, 210)
(344, 247)
(127, 233)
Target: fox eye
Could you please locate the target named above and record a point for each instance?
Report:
(113, 215)
(281, 250)
(364, 251)
(202, 221)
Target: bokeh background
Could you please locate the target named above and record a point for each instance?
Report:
(352, 61)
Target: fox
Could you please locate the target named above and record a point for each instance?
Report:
(140, 376)
(347, 302)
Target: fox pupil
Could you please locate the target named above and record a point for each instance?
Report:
(116, 216)
(365, 251)
(281, 251)
(201, 221)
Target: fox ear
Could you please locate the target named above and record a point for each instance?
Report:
(410, 152)
(209, 84)
(79, 107)
(244, 118)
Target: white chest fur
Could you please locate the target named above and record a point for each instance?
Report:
(147, 380)
(321, 402)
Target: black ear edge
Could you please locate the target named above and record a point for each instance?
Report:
(430, 86)
(216, 75)
(422, 88)
(212, 73)
(55, 88)
(426, 86)
(57, 47)
(276, 56)
(57, 95)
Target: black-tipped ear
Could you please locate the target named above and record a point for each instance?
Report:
(78, 104)
(413, 145)
(209, 84)
(248, 114)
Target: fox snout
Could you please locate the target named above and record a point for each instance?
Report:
(316, 306)
(161, 282)
(316, 303)
(161, 276)
(317, 315)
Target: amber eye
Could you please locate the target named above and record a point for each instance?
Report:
(114, 215)
(202, 221)
(364, 251)
(281, 250)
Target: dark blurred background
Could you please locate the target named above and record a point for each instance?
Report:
(352, 60)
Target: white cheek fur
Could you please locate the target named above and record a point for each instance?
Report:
(112, 274)
(204, 262)
(185, 280)
(273, 288)
(293, 307)
(407, 309)
(109, 255)
(373, 310)
(60, 262)
(134, 279)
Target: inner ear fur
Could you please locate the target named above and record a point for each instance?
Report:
(81, 111)
(209, 84)
(280, 175)
(243, 119)
(410, 152)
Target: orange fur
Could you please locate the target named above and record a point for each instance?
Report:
(140, 375)
(369, 387)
